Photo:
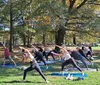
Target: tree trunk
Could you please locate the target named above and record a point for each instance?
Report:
(24, 40)
(59, 35)
(28, 42)
(74, 39)
(13, 41)
(44, 36)
(11, 29)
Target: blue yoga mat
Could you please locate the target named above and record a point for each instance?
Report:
(47, 62)
(8, 65)
(44, 68)
(61, 61)
(84, 69)
(74, 74)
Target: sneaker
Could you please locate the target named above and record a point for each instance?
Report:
(47, 81)
(92, 63)
(68, 77)
(71, 77)
(46, 67)
(22, 81)
(15, 65)
(82, 73)
(87, 68)
(92, 58)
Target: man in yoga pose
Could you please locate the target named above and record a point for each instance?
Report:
(33, 64)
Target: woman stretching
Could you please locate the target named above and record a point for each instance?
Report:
(7, 56)
(68, 59)
(33, 64)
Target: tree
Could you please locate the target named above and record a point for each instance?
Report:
(11, 11)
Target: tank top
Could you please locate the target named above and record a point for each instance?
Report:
(33, 59)
(66, 56)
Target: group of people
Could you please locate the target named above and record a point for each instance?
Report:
(69, 56)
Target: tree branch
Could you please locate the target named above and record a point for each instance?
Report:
(24, 8)
(83, 31)
(81, 4)
(93, 3)
(72, 2)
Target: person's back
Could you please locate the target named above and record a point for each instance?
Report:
(75, 55)
(6, 52)
(38, 54)
(47, 49)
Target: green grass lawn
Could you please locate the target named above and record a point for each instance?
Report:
(12, 76)
(96, 48)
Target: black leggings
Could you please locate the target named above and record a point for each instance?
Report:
(70, 61)
(89, 53)
(45, 54)
(32, 67)
(50, 54)
(41, 59)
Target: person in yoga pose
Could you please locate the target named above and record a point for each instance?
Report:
(68, 59)
(82, 53)
(7, 55)
(33, 64)
(77, 56)
(39, 55)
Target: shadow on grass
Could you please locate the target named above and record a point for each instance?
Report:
(16, 81)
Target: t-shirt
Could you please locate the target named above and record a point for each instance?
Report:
(6, 52)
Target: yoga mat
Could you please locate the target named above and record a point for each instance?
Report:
(74, 74)
(8, 65)
(47, 62)
(61, 61)
(44, 68)
(87, 62)
(83, 69)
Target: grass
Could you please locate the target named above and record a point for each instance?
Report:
(96, 48)
(12, 76)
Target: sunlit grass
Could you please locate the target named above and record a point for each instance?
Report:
(12, 76)
(96, 48)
